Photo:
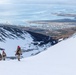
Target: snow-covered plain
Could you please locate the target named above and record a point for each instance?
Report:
(59, 59)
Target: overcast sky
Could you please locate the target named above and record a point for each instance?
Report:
(38, 1)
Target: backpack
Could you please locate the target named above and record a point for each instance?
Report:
(3, 54)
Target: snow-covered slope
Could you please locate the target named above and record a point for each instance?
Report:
(59, 59)
(11, 36)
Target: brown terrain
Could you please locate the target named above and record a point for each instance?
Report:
(57, 30)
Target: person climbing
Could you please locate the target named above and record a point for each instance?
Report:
(3, 55)
(18, 53)
(0, 57)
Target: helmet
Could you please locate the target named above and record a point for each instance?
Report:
(18, 46)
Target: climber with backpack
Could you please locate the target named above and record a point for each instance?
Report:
(3, 55)
(18, 53)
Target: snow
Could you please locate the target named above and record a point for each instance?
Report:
(59, 59)
(10, 45)
(12, 36)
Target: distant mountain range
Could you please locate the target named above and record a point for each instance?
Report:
(58, 20)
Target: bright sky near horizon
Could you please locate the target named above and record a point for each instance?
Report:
(37, 1)
(4, 1)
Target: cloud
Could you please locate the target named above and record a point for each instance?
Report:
(5, 1)
(37, 1)
(44, 1)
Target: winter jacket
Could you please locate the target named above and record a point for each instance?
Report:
(3, 54)
(18, 51)
(0, 56)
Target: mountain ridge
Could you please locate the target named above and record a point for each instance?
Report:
(31, 43)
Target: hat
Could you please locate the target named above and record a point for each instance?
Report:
(18, 46)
